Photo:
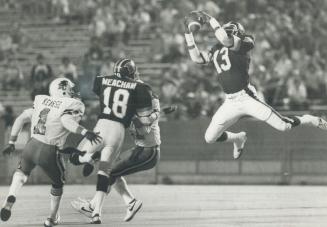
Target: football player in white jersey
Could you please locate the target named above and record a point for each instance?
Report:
(231, 59)
(145, 155)
(52, 118)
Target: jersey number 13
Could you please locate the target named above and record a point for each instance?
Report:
(119, 104)
(221, 60)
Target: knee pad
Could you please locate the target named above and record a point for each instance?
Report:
(57, 189)
(102, 183)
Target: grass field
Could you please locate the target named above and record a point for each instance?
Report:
(187, 206)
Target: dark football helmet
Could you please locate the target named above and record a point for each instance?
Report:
(125, 68)
(234, 28)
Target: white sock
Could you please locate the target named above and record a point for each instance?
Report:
(232, 137)
(98, 202)
(123, 190)
(18, 180)
(54, 205)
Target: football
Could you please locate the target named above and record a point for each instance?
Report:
(194, 21)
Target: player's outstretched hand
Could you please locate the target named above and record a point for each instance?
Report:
(9, 148)
(169, 109)
(93, 137)
(205, 17)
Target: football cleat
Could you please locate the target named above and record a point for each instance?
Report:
(6, 209)
(52, 222)
(314, 121)
(82, 206)
(95, 219)
(133, 207)
(239, 145)
(322, 124)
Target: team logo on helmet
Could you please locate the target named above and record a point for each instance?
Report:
(125, 68)
(63, 87)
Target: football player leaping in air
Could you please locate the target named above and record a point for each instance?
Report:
(121, 97)
(145, 155)
(52, 119)
(231, 59)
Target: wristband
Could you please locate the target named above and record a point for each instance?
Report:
(214, 23)
(83, 132)
(189, 39)
(11, 142)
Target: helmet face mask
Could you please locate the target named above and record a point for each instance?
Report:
(125, 68)
(234, 28)
(63, 87)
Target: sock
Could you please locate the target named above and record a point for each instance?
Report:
(296, 121)
(228, 137)
(54, 206)
(55, 197)
(18, 180)
(123, 190)
(101, 192)
(98, 202)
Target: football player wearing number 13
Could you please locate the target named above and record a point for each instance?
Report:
(52, 119)
(121, 97)
(231, 59)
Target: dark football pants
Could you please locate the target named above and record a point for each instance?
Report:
(135, 160)
(47, 157)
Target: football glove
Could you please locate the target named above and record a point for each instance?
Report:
(9, 148)
(169, 109)
(93, 137)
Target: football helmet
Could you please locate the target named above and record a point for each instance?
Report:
(63, 87)
(234, 28)
(125, 68)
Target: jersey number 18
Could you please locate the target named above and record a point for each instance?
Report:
(120, 100)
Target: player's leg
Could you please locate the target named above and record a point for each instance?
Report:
(133, 204)
(20, 177)
(115, 133)
(227, 115)
(135, 160)
(261, 111)
(51, 162)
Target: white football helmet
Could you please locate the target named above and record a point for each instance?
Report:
(62, 87)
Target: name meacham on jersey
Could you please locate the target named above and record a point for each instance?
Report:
(118, 83)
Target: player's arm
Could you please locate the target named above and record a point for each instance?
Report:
(233, 42)
(197, 56)
(146, 113)
(70, 120)
(19, 123)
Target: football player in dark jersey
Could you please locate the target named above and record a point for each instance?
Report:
(231, 59)
(121, 97)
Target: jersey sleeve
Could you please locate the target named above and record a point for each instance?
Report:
(75, 108)
(247, 44)
(97, 85)
(143, 97)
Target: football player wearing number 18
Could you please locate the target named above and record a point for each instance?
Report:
(231, 59)
(52, 119)
(121, 97)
